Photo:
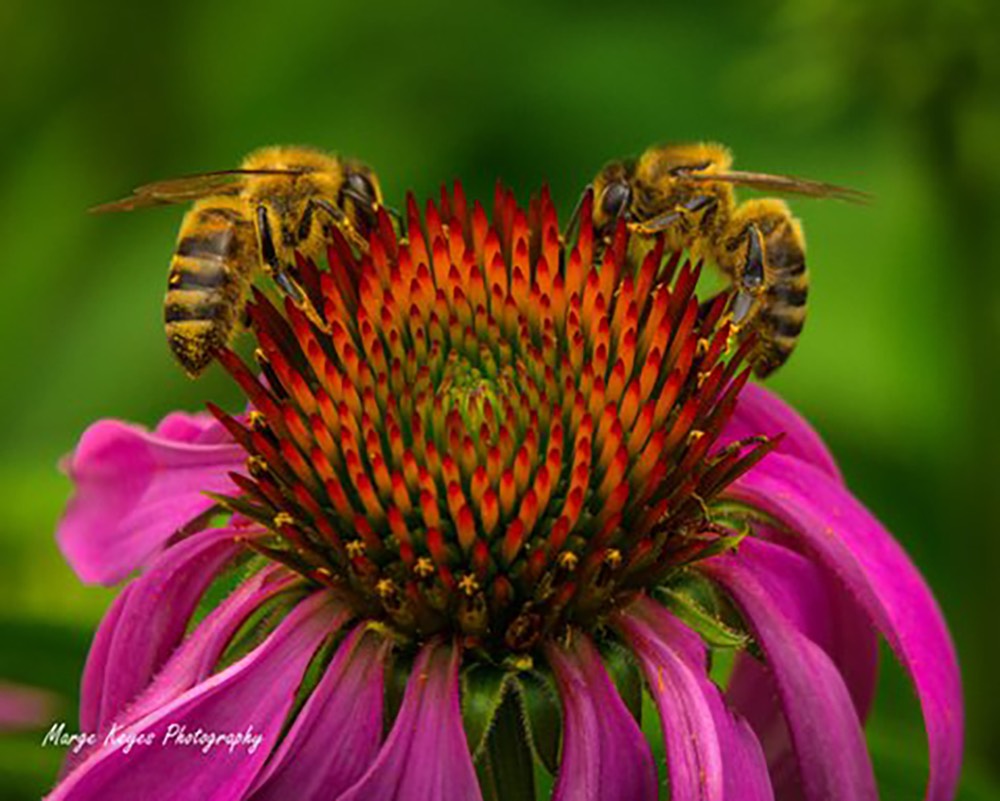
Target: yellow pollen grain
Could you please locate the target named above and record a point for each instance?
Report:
(385, 588)
(256, 463)
(613, 558)
(424, 567)
(694, 436)
(568, 561)
(468, 585)
(283, 519)
(257, 421)
(355, 548)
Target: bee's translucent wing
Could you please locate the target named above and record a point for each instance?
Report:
(783, 184)
(185, 189)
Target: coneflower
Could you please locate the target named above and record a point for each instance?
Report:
(490, 491)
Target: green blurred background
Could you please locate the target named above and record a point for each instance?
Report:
(897, 367)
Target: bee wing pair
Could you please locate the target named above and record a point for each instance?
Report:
(185, 189)
(782, 184)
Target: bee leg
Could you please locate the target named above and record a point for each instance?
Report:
(699, 203)
(751, 279)
(279, 273)
(343, 223)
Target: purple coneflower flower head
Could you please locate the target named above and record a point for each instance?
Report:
(491, 491)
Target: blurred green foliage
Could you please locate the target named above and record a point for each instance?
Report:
(897, 367)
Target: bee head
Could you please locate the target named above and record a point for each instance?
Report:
(612, 196)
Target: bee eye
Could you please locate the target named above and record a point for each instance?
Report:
(361, 189)
(615, 199)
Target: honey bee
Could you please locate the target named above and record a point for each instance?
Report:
(685, 192)
(247, 220)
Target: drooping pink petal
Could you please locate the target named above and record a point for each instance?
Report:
(92, 682)
(336, 736)
(826, 733)
(192, 661)
(250, 698)
(136, 489)
(24, 707)
(721, 760)
(426, 755)
(148, 622)
(816, 603)
(196, 657)
(820, 608)
(743, 764)
(876, 570)
(760, 411)
(680, 688)
(605, 756)
(753, 694)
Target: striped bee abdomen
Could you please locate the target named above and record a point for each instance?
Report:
(783, 314)
(203, 289)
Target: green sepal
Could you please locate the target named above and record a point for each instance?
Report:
(624, 672)
(543, 716)
(506, 767)
(483, 689)
(695, 600)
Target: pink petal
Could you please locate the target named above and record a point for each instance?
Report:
(760, 411)
(818, 606)
(92, 682)
(605, 756)
(744, 767)
(200, 427)
(876, 570)
(681, 689)
(197, 656)
(826, 733)
(753, 694)
(721, 757)
(192, 662)
(148, 622)
(251, 697)
(345, 709)
(135, 490)
(426, 756)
